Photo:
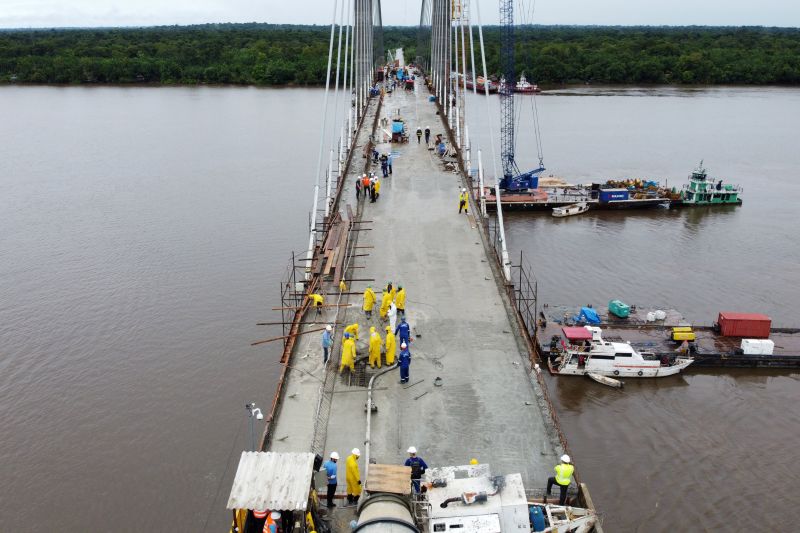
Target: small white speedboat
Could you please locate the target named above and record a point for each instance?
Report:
(569, 210)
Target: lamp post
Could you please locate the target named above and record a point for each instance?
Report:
(254, 412)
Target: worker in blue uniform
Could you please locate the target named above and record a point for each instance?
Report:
(403, 330)
(418, 467)
(405, 362)
(330, 472)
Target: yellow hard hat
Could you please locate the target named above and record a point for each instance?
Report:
(473, 461)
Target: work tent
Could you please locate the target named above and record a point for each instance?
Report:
(271, 481)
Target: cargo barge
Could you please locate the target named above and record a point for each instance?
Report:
(625, 194)
(716, 345)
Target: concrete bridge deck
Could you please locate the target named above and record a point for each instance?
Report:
(488, 406)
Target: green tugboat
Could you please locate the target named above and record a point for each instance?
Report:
(704, 191)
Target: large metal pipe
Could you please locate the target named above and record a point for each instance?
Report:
(385, 513)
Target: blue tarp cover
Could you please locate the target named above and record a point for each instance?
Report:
(587, 315)
(397, 127)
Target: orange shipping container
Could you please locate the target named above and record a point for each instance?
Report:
(750, 325)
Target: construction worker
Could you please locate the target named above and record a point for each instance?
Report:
(352, 329)
(377, 187)
(386, 299)
(391, 289)
(463, 202)
(353, 476)
(418, 467)
(562, 478)
(427, 135)
(327, 342)
(365, 185)
(391, 346)
(400, 300)
(331, 468)
(260, 516)
(389, 161)
(369, 301)
(271, 524)
(405, 362)
(404, 331)
(375, 344)
(348, 354)
(419, 135)
(342, 286)
(317, 300)
(358, 187)
(392, 314)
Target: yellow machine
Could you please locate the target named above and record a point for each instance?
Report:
(683, 333)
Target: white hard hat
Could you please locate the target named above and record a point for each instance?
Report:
(403, 345)
(565, 459)
(411, 449)
(463, 190)
(356, 451)
(275, 515)
(334, 455)
(363, 175)
(329, 328)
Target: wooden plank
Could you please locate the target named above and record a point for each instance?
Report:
(389, 478)
(350, 215)
(334, 259)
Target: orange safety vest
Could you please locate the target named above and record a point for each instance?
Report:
(269, 522)
(365, 182)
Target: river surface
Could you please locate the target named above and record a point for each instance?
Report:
(144, 231)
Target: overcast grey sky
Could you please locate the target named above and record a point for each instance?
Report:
(46, 13)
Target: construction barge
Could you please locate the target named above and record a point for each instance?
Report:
(617, 194)
(709, 347)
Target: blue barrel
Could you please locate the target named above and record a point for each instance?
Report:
(537, 518)
(431, 98)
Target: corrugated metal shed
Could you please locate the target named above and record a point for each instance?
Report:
(274, 481)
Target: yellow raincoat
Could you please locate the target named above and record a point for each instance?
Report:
(375, 344)
(353, 476)
(369, 299)
(348, 355)
(391, 346)
(352, 329)
(400, 300)
(377, 186)
(385, 303)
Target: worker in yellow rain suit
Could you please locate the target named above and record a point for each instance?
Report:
(369, 301)
(375, 344)
(317, 300)
(386, 300)
(377, 188)
(353, 477)
(400, 300)
(348, 354)
(391, 346)
(391, 289)
(352, 329)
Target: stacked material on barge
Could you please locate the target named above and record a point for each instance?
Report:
(735, 340)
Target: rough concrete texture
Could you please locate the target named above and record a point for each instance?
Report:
(487, 407)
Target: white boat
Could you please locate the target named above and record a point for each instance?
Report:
(584, 351)
(569, 210)
(524, 86)
(605, 380)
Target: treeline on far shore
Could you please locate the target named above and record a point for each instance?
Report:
(264, 54)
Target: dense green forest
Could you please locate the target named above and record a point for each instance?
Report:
(263, 54)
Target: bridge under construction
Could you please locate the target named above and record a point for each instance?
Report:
(475, 390)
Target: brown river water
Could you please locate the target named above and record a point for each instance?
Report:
(144, 231)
